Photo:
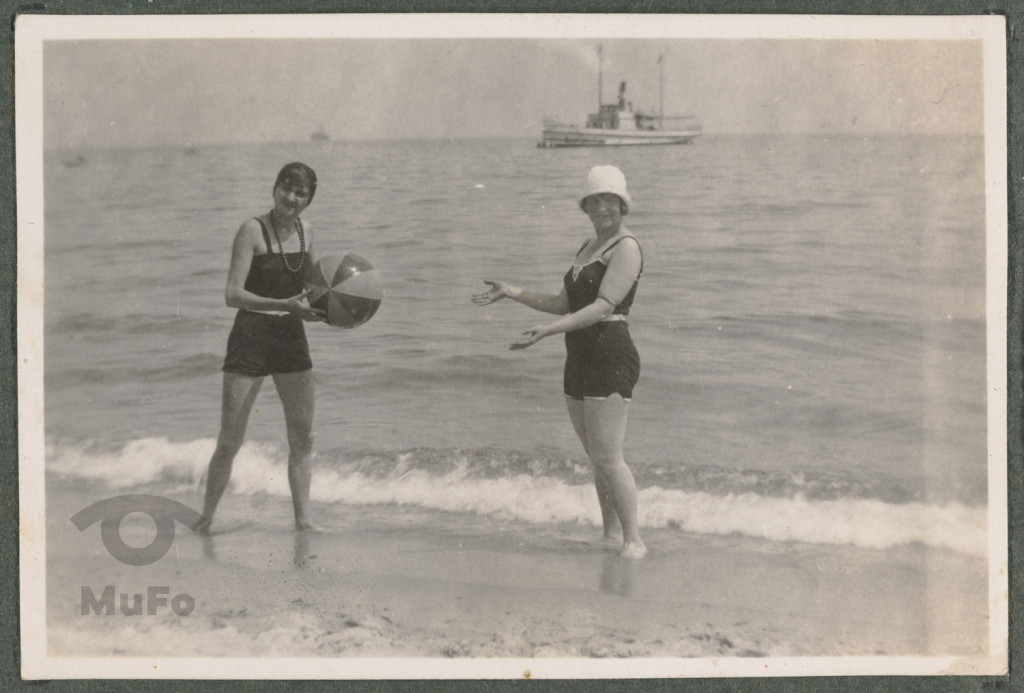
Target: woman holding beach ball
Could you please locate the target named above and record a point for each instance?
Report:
(270, 260)
(602, 364)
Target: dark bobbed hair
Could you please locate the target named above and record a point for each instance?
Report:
(298, 172)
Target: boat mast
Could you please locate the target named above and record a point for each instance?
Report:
(661, 92)
(600, 100)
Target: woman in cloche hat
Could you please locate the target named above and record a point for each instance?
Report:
(602, 364)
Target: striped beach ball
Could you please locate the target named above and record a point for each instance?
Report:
(347, 288)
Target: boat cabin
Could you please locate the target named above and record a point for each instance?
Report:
(614, 116)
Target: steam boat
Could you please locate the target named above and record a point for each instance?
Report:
(617, 124)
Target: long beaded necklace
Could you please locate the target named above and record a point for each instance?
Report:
(302, 245)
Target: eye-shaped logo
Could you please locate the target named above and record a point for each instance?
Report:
(112, 511)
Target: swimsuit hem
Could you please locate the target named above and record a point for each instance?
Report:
(598, 398)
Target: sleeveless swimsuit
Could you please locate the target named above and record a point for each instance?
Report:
(264, 343)
(600, 359)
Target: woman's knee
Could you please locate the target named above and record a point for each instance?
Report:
(300, 443)
(608, 463)
(227, 447)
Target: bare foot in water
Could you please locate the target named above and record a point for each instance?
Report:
(634, 549)
(304, 526)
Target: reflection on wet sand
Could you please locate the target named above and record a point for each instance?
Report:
(617, 576)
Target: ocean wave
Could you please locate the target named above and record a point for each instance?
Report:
(453, 371)
(132, 324)
(192, 366)
(210, 272)
(544, 490)
(78, 322)
(847, 318)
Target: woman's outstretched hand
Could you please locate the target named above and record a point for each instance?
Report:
(498, 291)
(530, 337)
(299, 305)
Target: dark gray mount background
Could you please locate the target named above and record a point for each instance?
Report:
(10, 662)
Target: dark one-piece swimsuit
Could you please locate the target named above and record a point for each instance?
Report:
(261, 344)
(601, 359)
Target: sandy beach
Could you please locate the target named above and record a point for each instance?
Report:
(402, 589)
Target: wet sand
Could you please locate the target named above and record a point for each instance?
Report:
(384, 585)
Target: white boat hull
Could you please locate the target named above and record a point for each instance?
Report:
(568, 136)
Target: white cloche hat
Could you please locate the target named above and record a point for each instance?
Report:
(605, 179)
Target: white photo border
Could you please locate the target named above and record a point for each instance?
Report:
(32, 31)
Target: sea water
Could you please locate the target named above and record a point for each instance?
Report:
(810, 320)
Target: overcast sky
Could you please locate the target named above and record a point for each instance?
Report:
(156, 91)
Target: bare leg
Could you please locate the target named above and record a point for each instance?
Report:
(610, 520)
(296, 391)
(239, 394)
(605, 424)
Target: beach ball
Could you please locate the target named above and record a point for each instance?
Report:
(347, 288)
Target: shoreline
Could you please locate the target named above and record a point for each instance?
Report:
(397, 582)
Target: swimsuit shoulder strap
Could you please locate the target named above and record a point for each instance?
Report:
(637, 246)
(585, 243)
(266, 236)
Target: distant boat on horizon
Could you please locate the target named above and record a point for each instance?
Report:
(616, 124)
(320, 136)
